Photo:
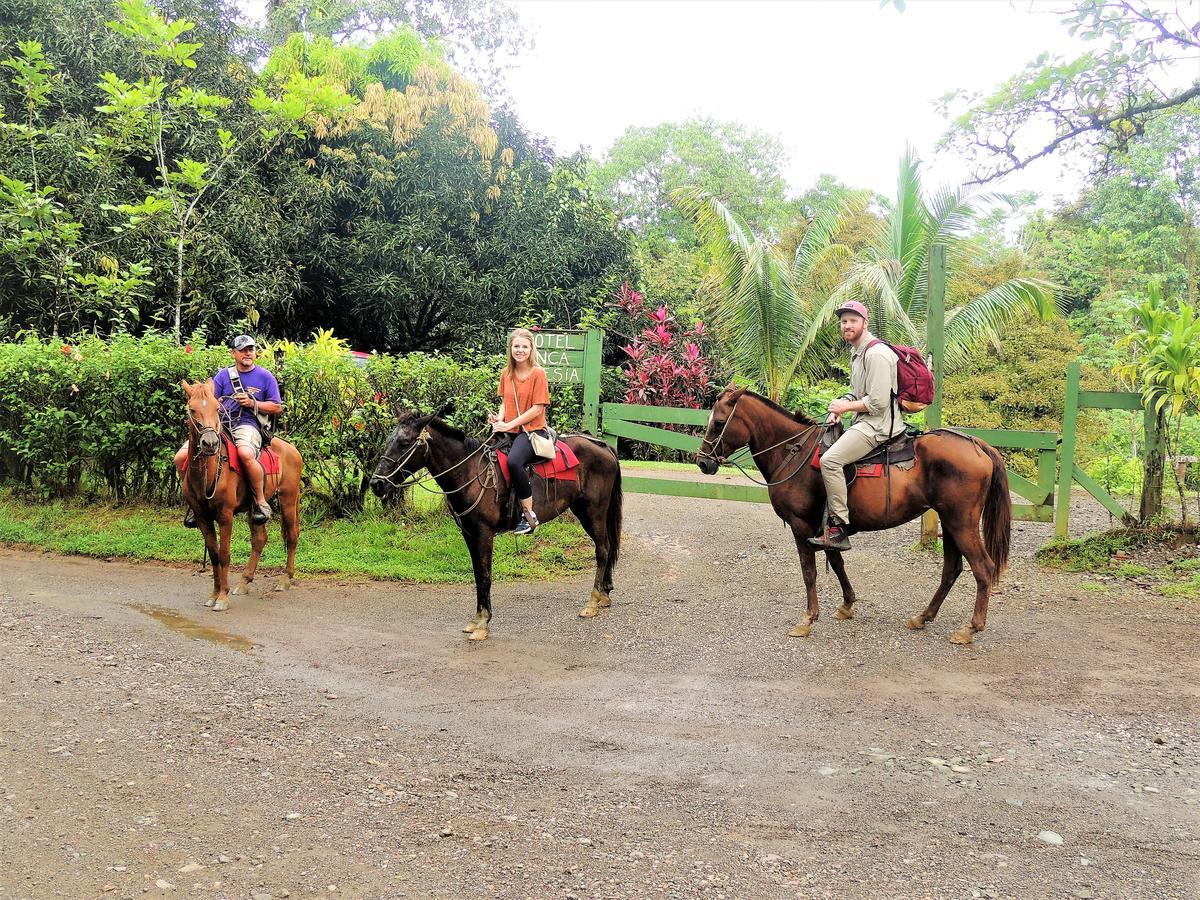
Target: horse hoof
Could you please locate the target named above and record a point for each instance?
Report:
(220, 605)
(471, 626)
(479, 634)
(240, 591)
(588, 612)
(964, 635)
(916, 623)
(209, 602)
(284, 584)
(844, 612)
(800, 630)
(599, 600)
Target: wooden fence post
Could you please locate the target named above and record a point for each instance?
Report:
(592, 349)
(935, 336)
(1066, 460)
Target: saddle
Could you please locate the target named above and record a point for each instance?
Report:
(900, 449)
(267, 458)
(564, 466)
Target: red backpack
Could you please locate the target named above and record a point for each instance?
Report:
(914, 381)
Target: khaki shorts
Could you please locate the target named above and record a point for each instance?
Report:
(248, 436)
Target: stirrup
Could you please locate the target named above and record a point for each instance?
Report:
(261, 513)
(189, 518)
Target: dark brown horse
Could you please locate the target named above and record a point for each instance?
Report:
(959, 477)
(479, 499)
(215, 493)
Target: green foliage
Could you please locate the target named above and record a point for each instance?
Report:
(1098, 104)
(1020, 384)
(1094, 552)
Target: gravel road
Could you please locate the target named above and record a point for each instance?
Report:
(345, 740)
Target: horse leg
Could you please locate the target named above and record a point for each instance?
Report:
(479, 543)
(846, 610)
(595, 523)
(289, 516)
(808, 565)
(982, 568)
(258, 540)
(208, 529)
(221, 562)
(951, 569)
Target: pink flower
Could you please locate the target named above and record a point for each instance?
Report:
(187, 348)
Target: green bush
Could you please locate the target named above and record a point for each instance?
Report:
(86, 416)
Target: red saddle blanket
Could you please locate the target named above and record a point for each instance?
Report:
(563, 467)
(870, 470)
(266, 458)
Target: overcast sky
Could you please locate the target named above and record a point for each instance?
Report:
(843, 83)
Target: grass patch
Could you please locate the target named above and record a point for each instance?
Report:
(683, 467)
(427, 549)
(1158, 558)
(1092, 553)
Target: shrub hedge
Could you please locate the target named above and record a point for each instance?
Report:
(105, 417)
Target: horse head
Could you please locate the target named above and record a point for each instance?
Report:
(204, 415)
(404, 453)
(725, 432)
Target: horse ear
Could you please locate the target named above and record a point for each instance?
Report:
(187, 388)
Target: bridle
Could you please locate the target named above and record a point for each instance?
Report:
(485, 477)
(814, 430)
(201, 430)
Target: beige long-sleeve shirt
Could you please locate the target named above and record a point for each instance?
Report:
(873, 381)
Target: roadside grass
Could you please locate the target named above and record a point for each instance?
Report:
(425, 547)
(1154, 557)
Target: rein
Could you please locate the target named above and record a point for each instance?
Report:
(485, 477)
(813, 429)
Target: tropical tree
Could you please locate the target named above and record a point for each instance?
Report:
(1141, 64)
(1164, 347)
(891, 275)
(763, 307)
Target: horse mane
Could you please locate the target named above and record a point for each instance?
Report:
(796, 416)
(457, 434)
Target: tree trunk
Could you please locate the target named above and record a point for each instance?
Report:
(1152, 465)
(178, 285)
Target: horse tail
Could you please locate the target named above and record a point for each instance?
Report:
(615, 502)
(997, 515)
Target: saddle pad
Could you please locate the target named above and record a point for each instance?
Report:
(562, 467)
(871, 465)
(266, 458)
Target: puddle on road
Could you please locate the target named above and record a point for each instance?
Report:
(189, 628)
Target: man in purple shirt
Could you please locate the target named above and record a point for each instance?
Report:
(259, 395)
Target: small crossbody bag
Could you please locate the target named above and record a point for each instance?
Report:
(266, 422)
(542, 444)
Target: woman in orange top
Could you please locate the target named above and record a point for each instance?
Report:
(524, 394)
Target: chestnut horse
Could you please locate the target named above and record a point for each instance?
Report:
(959, 477)
(215, 493)
(465, 472)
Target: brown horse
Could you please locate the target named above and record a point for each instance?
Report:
(466, 473)
(215, 493)
(959, 477)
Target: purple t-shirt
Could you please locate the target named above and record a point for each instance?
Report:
(258, 383)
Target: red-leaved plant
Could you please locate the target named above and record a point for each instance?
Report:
(667, 366)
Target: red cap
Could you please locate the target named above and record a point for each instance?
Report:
(853, 306)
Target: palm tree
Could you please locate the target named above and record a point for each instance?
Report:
(892, 275)
(774, 318)
(763, 307)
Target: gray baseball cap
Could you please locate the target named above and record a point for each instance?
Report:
(242, 341)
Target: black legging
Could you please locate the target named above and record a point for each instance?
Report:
(519, 457)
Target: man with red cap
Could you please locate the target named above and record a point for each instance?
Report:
(877, 418)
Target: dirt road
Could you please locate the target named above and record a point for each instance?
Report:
(344, 740)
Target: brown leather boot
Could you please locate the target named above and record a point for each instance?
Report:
(834, 538)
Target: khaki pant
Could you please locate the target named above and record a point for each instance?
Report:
(850, 447)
